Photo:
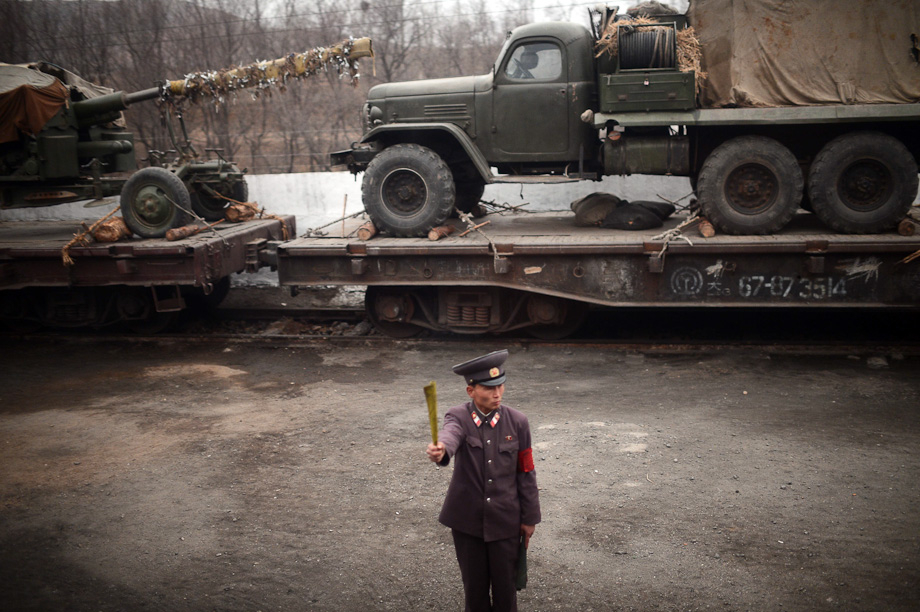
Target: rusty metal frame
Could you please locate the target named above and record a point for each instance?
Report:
(796, 269)
(30, 256)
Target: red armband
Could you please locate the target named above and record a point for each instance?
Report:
(525, 460)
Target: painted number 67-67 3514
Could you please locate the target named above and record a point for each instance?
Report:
(817, 288)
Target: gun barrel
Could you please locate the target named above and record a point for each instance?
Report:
(106, 108)
(99, 110)
(142, 96)
(299, 65)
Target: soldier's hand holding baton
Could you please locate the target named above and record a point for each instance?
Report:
(436, 449)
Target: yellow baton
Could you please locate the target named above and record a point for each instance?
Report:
(431, 396)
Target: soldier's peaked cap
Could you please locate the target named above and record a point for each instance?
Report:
(486, 370)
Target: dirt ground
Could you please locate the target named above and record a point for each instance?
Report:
(237, 477)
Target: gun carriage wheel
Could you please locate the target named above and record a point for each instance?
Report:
(212, 207)
(153, 201)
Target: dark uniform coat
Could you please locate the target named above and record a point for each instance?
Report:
(493, 490)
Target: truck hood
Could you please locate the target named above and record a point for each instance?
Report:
(428, 87)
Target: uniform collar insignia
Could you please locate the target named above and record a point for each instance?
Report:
(476, 418)
(474, 414)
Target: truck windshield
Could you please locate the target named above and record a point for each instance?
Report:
(536, 60)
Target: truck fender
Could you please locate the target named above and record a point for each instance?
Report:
(396, 133)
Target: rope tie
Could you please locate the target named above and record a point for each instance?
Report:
(468, 219)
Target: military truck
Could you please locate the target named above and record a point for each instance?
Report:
(813, 106)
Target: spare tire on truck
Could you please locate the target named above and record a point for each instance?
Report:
(407, 190)
(750, 185)
(863, 182)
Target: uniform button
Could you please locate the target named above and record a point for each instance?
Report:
(489, 461)
(488, 499)
(488, 441)
(490, 481)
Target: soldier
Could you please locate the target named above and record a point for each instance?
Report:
(492, 504)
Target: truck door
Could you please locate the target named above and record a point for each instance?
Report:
(530, 114)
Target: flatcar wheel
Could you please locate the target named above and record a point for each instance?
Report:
(200, 303)
(390, 311)
(16, 312)
(564, 317)
(863, 182)
(153, 201)
(750, 185)
(135, 307)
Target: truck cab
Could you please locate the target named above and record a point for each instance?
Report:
(518, 118)
(522, 119)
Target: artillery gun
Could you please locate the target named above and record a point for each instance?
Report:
(63, 139)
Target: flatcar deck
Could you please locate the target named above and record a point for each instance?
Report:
(556, 232)
(30, 255)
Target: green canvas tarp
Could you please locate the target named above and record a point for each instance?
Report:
(808, 52)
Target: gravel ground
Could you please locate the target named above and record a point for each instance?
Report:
(172, 476)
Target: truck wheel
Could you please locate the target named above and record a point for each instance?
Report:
(213, 208)
(863, 182)
(469, 193)
(750, 185)
(407, 190)
(152, 201)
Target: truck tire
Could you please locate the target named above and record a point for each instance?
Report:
(152, 201)
(407, 190)
(212, 208)
(750, 185)
(469, 193)
(863, 182)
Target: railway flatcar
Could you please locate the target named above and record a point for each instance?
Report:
(542, 272)
(144, 283)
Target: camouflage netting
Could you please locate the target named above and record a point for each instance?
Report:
(220, 85)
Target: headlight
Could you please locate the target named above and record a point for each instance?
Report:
(375, 115)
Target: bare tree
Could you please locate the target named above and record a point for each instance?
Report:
(397, 32)
(133, 44)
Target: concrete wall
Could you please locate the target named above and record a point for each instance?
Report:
(319, 198)
(316, 199)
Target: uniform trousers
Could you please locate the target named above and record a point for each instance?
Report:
(484, 564)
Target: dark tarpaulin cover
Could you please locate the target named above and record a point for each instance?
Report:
(28, 99)
(808, 52)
